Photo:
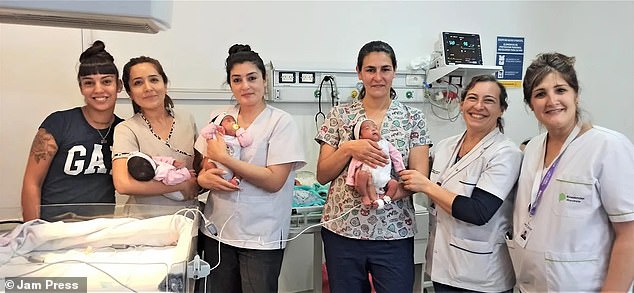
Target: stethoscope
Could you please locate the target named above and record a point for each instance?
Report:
(333, 95)
(319, 114)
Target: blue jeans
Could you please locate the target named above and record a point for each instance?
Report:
(241, 269)
(348, 261)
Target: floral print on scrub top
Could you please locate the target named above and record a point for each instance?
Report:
(404, 127)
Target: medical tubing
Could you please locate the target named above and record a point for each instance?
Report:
(315, 225)
(79, 261)
(15, 253)
(207, 221)
(445, 107)
(219, 237)
(271, 242)
(449, 118)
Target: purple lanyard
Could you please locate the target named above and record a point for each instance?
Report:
(532, 208)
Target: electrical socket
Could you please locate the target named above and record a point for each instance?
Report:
(286, 77)
(455, 80)
(306, 77)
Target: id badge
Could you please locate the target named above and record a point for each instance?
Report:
(432, 209)
(524, 235)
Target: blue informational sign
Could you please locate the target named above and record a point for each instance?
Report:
(510, 55)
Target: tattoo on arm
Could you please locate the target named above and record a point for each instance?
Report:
(44, 146)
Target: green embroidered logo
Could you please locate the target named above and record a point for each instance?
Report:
(562, 196)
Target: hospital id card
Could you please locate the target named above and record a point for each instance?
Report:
(524, 235)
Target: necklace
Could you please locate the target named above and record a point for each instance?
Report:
(104, 139)
(169, 136)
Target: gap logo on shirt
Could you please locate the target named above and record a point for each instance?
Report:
(76, 160)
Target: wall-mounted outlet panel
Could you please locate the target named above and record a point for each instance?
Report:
(287, 77)
(414, 79)
(304, 84)
(455, 80)
(306, 77)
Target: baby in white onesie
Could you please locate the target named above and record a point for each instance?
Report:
(235, 137)
(360, 174)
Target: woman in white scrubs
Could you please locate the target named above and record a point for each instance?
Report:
(470, 181)
(573, 222)
(252, 220)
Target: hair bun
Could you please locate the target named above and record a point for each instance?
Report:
(98, 49)
(570, 60)
(239, 48)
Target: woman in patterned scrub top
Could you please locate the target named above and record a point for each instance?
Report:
(359, 239)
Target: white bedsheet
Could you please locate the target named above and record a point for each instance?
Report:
(154, 247)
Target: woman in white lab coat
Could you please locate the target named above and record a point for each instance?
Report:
(573, 222)
(471, 178)
(252, 220)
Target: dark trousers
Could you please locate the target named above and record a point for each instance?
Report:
(440, 287)
(348, 261)
(240, 269)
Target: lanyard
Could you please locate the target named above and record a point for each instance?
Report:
(532, 207)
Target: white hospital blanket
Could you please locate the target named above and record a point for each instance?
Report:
(155, 247)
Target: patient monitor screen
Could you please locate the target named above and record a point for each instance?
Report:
(461, 48)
